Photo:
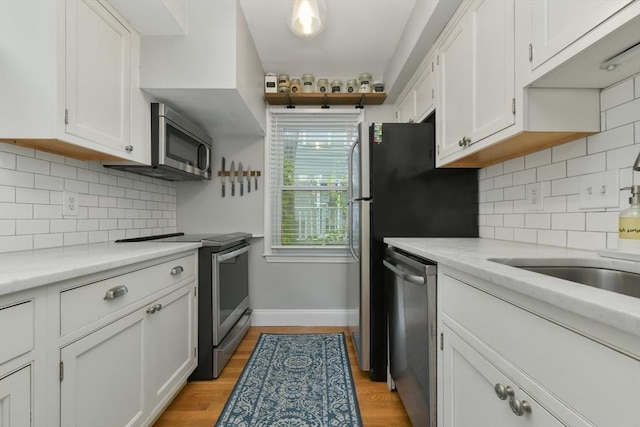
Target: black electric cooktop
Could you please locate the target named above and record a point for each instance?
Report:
(218, 241)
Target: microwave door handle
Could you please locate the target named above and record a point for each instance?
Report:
(208, 157)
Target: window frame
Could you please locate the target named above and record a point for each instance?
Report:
(316, 254)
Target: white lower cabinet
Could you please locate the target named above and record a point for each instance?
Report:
(471, 399)
(491, 338)
(129, 347)
(102, 381)
(15, 399)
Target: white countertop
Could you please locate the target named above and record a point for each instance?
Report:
(29, 269)
(472, 257)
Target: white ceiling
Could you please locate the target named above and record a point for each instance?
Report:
(359, 36)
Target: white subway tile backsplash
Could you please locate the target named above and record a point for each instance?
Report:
(587, 164)
(7, 194)
(552, 237)
(484, 232)
(622, 157)
(565, 186)
(64, 171)
(29, 164)
(514, 165)
(46, 182)
(31, 195)
(7, 160)
(16, 211)
(485, 184)
(495, 170)
(499, 208)
(498, 182)
(568, 221)
(495, 195)
(537, 220)
(570, 150)
(628, 112)
(610, 139)
(31, 186)
(7, 227)
(502, 233)
(539, 158)
(14, 178)
(616, 94)
(562, 222)
(32, 226)
(524, 177)
(552, 171)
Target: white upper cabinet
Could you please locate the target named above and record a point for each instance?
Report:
(476, 76)
(556, 24)
(419, 99)
(70, 80)
(98, 75)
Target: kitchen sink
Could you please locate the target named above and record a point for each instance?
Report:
(585, 272)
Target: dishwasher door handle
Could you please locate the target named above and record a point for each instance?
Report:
(411, 278)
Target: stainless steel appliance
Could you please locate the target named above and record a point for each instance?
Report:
(224, 315)
(180, 150)
(396, 191)
(412, 334)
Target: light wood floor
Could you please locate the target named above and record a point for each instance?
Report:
(200, 403)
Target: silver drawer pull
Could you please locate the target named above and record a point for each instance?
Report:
(519, 408)
(154, 308)
(115, 292)
(177, 270)
(503, 392)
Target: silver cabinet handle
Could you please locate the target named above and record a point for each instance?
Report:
(154, 308)
(129, 148)
(464, 141)
(519, 408)
(115, 292)
(177, 270)
(503, 392)
(460, 143)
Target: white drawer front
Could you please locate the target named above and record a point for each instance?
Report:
(594, 380)
(86, 304)
(16, 330)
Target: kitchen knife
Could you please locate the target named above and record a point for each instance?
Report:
(224, 178)
(232, 177)
(249, 179)
(256, 181)
(241, 178)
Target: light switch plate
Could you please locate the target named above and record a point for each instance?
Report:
(600, 190)
(69, 203)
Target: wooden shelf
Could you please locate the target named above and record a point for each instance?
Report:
(325, 99)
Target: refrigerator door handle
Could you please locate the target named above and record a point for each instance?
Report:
(353, 252)
(350, 186)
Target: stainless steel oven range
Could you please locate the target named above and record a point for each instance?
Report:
(224, 315)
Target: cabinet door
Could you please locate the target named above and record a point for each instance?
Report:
(98, 75)
(102, 382)
(492, 33)
(469, 398)
(426, 92)
(171, 336)
(407, 108)
(454, 103)
(15, 399)
(556, 24)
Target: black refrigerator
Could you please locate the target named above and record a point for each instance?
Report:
(395, 190)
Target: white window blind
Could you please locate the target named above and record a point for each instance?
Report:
(308, 175)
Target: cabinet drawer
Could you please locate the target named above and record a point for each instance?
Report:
(86, 304)
(16, 330)
(568, 365)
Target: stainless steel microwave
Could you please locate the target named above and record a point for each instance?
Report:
(180, 150)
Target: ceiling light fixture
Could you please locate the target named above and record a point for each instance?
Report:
(307, 17)
(612, 63)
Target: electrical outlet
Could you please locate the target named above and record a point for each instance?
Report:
(600, 190)
(69, 203)
(535, 197)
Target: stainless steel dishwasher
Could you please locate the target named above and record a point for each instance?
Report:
(412, 290)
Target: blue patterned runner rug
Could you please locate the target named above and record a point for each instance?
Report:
(294, 380)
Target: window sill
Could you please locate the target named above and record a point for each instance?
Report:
(310, 259)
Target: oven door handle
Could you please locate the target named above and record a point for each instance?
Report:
(233, 254)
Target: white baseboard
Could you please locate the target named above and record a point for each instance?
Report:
(263, 317)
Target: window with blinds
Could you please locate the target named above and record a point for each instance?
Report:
(308, 176)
